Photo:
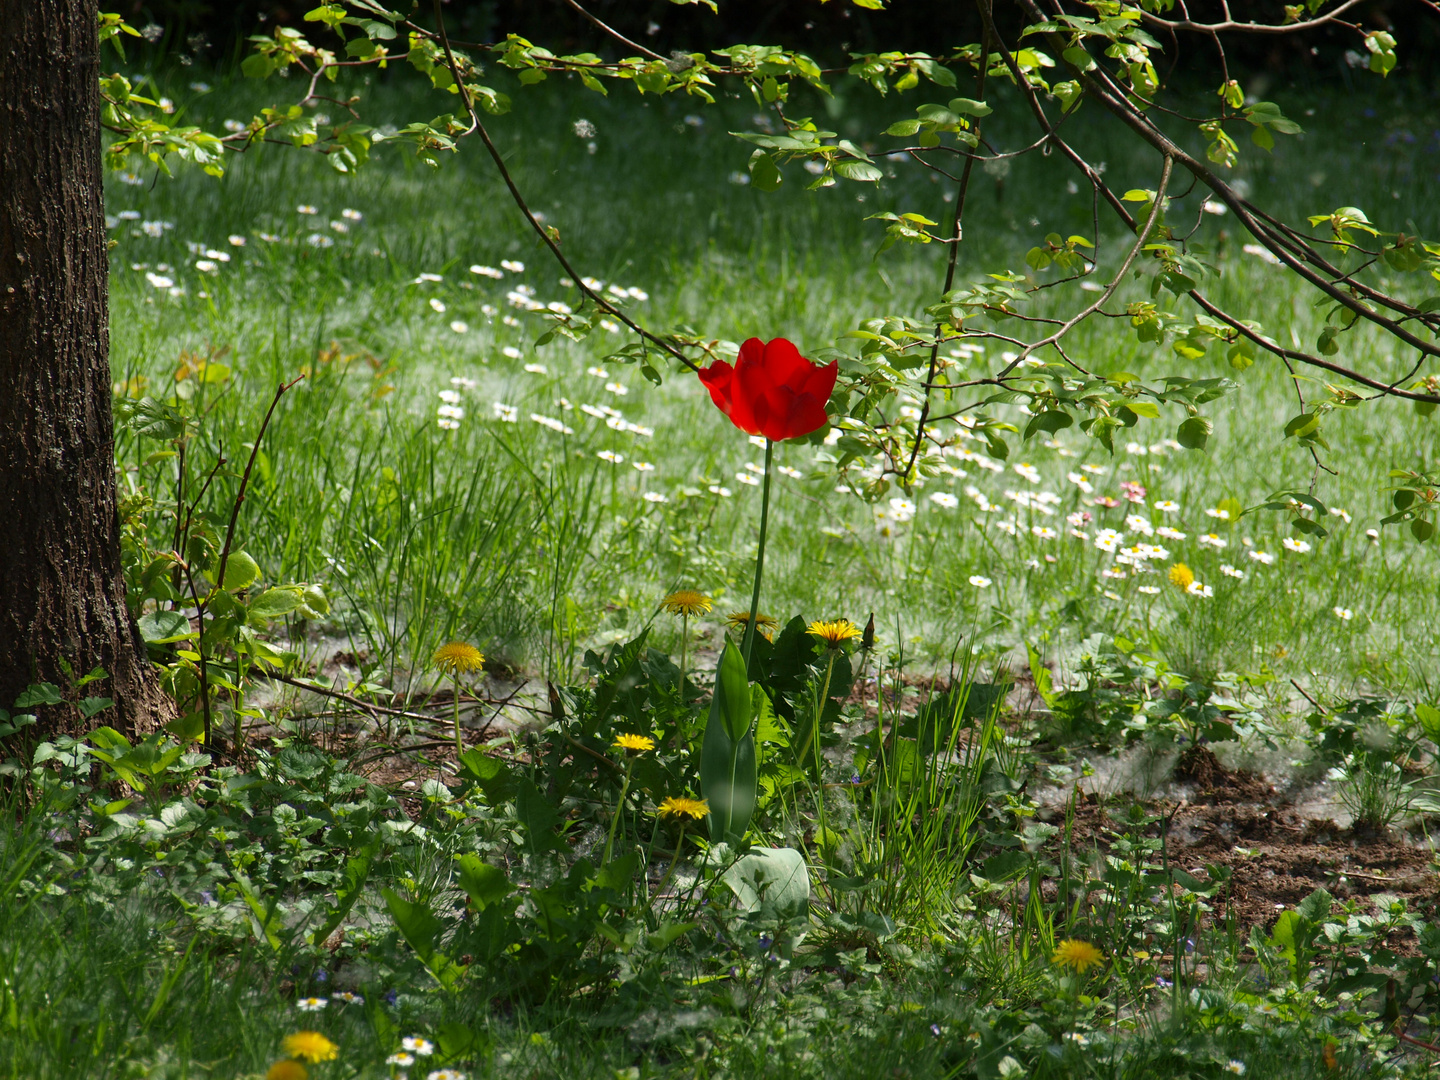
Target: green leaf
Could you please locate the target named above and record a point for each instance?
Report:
(857, 170)
(1194, 433)
(357, 870)
(1422, 529)
(492, 776)
(538, 817)
(1069, 92)
(1049, 421)
(91, 705)
(764, 174)
(1429, 717)
(776, 877)
(727, 756)
(483, 883)
(970, 107)
(151, 418)
(40, 694)
(273, 603)
(732, 693)
(903, 128)
(1303, 426)
(421, 929)
(241, 571)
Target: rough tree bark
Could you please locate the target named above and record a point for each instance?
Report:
(62, 594)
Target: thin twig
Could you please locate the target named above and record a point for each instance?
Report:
(1142, 236)
(626, 41)
(954, 241)
(540, 230)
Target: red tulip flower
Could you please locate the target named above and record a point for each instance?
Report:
(772, 390)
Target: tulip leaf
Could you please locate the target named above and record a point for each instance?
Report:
(727, 758)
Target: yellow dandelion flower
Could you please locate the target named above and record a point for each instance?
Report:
(285, 1069)
(680, 806)
(834, 633)
(457, 657)
(1181, 576)
(633, 744)
(1080, 955)
(310, 1046)
(764, 624)
(686, 602)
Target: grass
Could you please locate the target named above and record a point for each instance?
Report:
(951, 848)
(492, 530)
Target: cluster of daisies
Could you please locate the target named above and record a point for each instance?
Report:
(211, 259)
(523, 297)
(1138, 544)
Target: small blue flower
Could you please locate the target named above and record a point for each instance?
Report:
(935, 1030)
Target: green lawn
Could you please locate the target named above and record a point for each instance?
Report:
(521, 910)
(491, 530)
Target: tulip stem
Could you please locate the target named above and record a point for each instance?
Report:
(759, 555)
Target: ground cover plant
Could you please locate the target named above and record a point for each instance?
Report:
(936, 698)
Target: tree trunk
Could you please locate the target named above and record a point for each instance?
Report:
(62, 593)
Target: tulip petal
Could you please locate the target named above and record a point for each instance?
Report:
(747, 397)
(821, 380)
(784, 365)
